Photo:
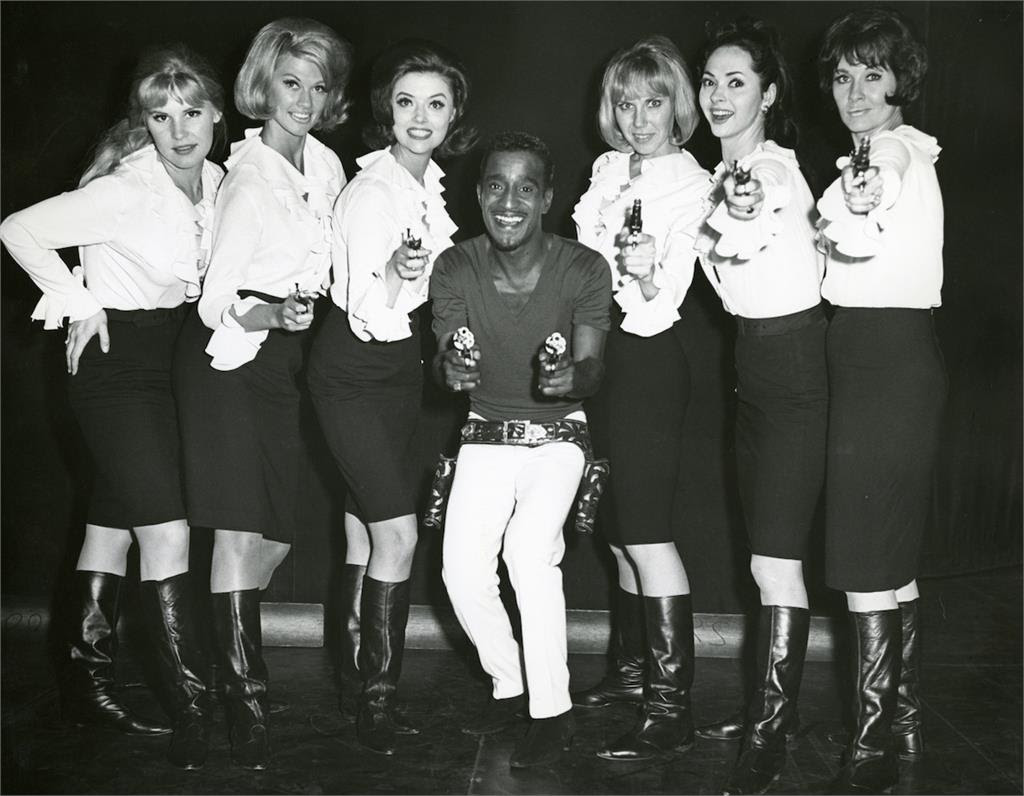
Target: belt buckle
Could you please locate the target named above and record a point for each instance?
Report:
(515, 430)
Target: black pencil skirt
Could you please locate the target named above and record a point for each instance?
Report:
(888, 390)
(242, 445)
(781, 427)
(636, 421)
(124, 404)
(367, 396)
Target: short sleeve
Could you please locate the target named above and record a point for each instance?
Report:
(594, 297)
(448, 300)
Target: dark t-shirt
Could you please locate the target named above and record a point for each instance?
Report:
(574, 289)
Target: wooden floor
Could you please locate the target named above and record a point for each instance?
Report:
(972, 701)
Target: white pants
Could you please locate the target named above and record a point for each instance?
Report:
(522, 496)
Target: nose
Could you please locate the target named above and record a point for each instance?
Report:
(640, 119)
(716, 93)
(856, 89)
(305, 100)
(506, 198)
(419, 112)
(177, 129)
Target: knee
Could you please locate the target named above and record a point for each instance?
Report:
(771, 572)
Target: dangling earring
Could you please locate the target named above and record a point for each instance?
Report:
(764, 108)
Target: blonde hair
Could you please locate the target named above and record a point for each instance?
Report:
(163, 73)
(655, 62)
(300, 38)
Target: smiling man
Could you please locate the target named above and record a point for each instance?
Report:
(525, 442)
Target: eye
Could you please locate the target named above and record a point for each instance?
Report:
(494, 186)
(194, 113)
(840, 78)
(527, 189)
(873, 76)
(291, 83)
(320, 89)
(736, 83)
(403, 102)
(655, 103)
(706, 82)
(159, 118)
(624, 106)
(437, 105)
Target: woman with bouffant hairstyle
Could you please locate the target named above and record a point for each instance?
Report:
(365, 374)
(298, 38)
(647, 113)
(240, 354)
(142, 217)
(882, 222)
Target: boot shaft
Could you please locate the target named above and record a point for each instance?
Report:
(240, 649)
(781, 652)
(349, 612)
(908, 701)
(92, 638)
(668, 623)
(168, 610)
(878, 649)
(385, 614)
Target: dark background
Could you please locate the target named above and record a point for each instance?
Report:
(536, 66)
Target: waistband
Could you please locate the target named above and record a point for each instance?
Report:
(765, 327)
(528, 433)
(244, 294)
(143, 318)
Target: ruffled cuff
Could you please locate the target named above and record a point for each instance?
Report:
(647, 318)
(856, 235)
(742, 239)
(77, 305)
(230, 345)
(374, 319)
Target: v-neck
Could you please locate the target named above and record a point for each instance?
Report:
(517, 317)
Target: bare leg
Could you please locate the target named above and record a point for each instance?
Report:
(163, 549)
(105, 550)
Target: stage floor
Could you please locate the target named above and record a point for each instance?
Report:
(972, 683)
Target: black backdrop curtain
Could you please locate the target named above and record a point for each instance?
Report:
(536, 66)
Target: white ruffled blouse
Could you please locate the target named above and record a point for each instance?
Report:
(766, 266)
(891, 256)
(371, 218)
(271, 232)
(671, 187)
(142, 243)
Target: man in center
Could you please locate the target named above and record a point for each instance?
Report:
(523, 444)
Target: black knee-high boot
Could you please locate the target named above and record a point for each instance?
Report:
(625, 681)
(782, 648)
(350, 682)
(906, 726)
(240, 647)
(89, 695)
(171, 621)
(871, 763)
(666, 721)
(385, 614)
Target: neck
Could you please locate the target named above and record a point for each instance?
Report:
(519, 261)
(742, 144)
(290, 147)
(414, 163)
(189, 182)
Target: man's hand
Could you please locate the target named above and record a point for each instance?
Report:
(557, 375)
(458, 373)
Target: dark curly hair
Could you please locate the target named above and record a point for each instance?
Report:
(516, 141)
(408, 57)
(763, 44)
(876, 37)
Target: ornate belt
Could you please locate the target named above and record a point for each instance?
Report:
(528, 433)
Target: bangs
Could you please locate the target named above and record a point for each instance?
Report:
(318, 56)
(158, 90)
(870, 50)
(638, 74)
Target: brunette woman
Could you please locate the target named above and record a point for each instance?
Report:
(882, 219)
(240, 354)
(647, 114)
(757, 250)
(142, 217)
(365, 370)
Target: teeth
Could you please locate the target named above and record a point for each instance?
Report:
(508, 219)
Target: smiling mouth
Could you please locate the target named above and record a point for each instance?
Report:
(717, 117)
(419, 133)
(507, 220)
(302, 118)
(184, 150)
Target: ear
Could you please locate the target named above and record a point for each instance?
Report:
(769, 95)
(549, 194)
(479, 195)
